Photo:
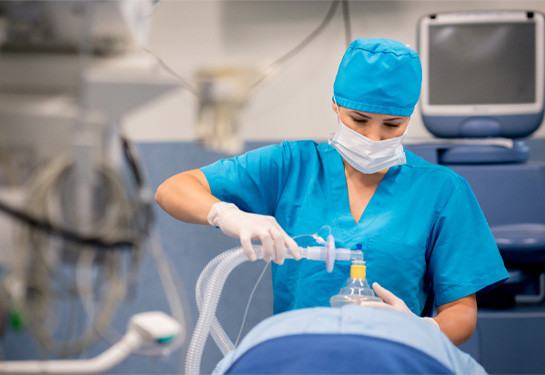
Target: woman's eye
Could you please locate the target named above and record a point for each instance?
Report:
(393, 125)
(361, 121)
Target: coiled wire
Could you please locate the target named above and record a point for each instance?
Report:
(38, 255)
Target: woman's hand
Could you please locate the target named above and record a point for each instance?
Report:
(397, 303)
(456, 319)
(239, 224)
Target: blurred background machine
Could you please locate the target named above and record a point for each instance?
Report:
(75, 211)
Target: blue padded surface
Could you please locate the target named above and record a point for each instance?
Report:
(453, 154)
(484, 154)
(335, 354)
(510, 193)
(520, 236)
(523, 243)
(514, 126)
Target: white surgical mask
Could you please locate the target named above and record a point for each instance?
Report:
(364, 154)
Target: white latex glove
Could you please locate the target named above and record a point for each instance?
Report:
(239, 224)
(397, 303)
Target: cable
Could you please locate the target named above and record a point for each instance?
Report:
(172, 287)
(84, 282)
(186, 85)
(34, 269)
(47, 227)
(249, 301)
(13, 176)
(316, 237)
(288, 55)
(132, 159)
(347, 28)
(44, 331)
(70, 324)
(325, 227)
(299, 47)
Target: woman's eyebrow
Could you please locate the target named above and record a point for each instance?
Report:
(359, 114)
(356, 113)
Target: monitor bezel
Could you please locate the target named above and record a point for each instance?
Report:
(428, 109)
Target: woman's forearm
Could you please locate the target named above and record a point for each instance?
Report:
(186, 197)
(458, 319)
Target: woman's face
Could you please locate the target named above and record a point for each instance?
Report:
(375, 126)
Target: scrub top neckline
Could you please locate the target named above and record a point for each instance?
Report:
(339, 202)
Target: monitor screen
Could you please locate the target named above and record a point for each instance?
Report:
(472, 64)
(482, 73)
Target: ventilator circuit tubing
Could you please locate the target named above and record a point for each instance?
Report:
(210, 286)
(223, 342)
(219, 269)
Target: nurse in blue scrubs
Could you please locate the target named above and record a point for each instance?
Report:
(423, 234)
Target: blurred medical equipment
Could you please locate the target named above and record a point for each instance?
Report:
(53, 26)
(147, 329)
(210, 285)
(224, 89)
(483, 91)
(76, 211)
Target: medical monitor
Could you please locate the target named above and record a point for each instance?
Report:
(482, 73)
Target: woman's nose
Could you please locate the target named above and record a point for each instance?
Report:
(372, 133)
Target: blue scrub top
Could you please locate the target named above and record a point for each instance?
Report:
(422, 231)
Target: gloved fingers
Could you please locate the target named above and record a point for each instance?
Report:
(247, 248)
(279, 246)
(387, 296)
(377, 305)
(391, 299)
(289, 242)
(267, 245)
(293, 247)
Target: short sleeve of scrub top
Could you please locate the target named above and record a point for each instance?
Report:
(460, 226)
(422, 232)
(252, 181)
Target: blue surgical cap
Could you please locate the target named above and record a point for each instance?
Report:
(379, 76)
